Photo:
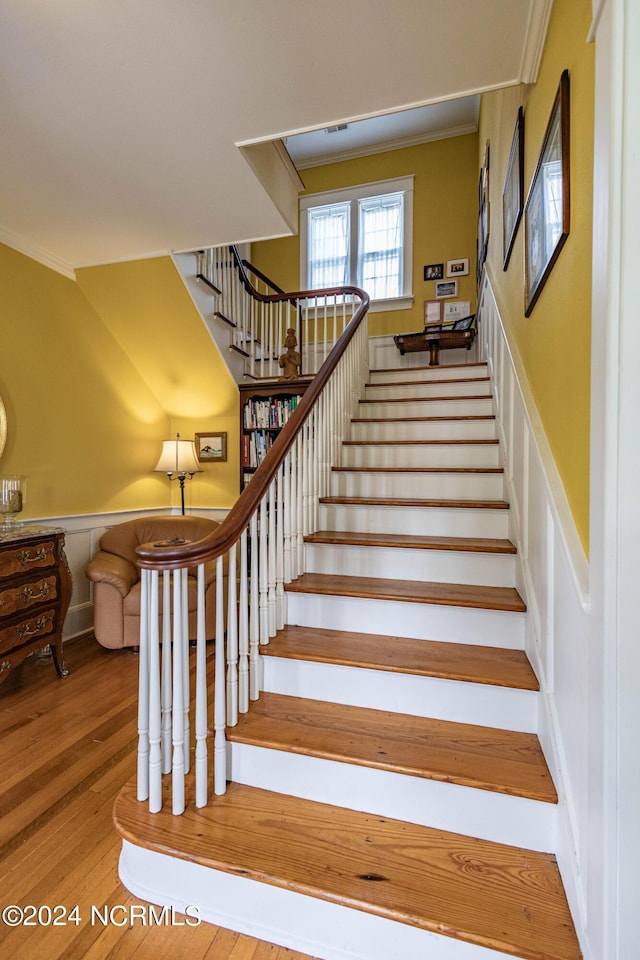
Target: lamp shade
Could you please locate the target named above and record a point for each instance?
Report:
(179, 457)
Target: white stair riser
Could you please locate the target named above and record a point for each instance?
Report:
(423, 430)
(451, 486)
(399, 563)
(421, 455)
(491, 816)
(442, 372)
(421, 521)
(421, 621)
(433, 388)
(459, 701)
(425, 408)
(329, 931)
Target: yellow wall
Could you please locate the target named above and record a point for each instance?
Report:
(145, 306)
(444, 219)
(85, 425)
(554, 342)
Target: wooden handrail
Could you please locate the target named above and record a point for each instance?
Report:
(156, 556)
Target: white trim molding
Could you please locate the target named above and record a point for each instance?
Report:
(35, 252)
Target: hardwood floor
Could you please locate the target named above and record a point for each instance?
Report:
(68, 747)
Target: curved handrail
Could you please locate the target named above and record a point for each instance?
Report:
(214, 545)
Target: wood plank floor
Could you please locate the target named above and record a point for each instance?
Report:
(426, 658)
(485, 893)
(504, 761)
(68, 746)
(415, 591)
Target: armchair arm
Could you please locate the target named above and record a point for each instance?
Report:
(109, 568)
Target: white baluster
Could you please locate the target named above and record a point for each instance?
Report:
(271, 596)
(264, 572)
(292, 510)
(155, 728)
(186, 689)
(232, 643)
(300, 504)
(219, 739)
(177, 766)
(143, 690)
(165, 692)
(280, 597)
(286, 522)
(254, 613)
(243, 629)
(201, 695)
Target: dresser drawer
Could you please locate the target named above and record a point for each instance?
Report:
(26, 557)
(21, 598)
(37, 625)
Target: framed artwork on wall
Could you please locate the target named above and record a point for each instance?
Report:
(211, 447)
(458, 268)
(513, 191)
(547, 210)
(446, 288)
(434, 271)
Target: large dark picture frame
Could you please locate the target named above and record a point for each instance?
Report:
(546, 212)
(513, 191)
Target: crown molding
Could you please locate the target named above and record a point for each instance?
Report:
(536, 34)
(399, 144)
(35, 252)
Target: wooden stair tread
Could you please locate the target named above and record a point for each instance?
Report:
(462, 544)
(504, 761)
(490, 894)
(414, 502)
(441, 366)
(414, 383)
(470, 416)
(477, 396)
(413, 591)
(413, 443)
(418, 469)
(427, 658)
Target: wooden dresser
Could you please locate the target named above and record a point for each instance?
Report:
(35, 590)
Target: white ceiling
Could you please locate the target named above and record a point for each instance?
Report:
(391, 132)
(121, 120)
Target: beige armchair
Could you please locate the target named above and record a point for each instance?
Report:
(116, 577)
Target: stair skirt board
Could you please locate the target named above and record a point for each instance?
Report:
(421, 621)
(353, 560)
(498, 817)
(319, 928)
(505, 708)
(447, 521)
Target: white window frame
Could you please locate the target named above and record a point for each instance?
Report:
(352, 195)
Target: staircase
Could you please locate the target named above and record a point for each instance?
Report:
(398, 687)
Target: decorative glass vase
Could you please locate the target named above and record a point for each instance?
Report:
(12, 500)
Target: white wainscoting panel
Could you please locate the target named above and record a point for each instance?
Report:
(553, 578)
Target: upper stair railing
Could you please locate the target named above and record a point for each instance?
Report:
(260, 313)
(257, 550)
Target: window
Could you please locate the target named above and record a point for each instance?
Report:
(361, 236)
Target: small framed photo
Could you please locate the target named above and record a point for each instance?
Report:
(211, 447)
(458, 268)
(446, 288)
(434, 271)
(432, 312)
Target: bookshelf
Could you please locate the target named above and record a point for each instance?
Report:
(265, 407)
